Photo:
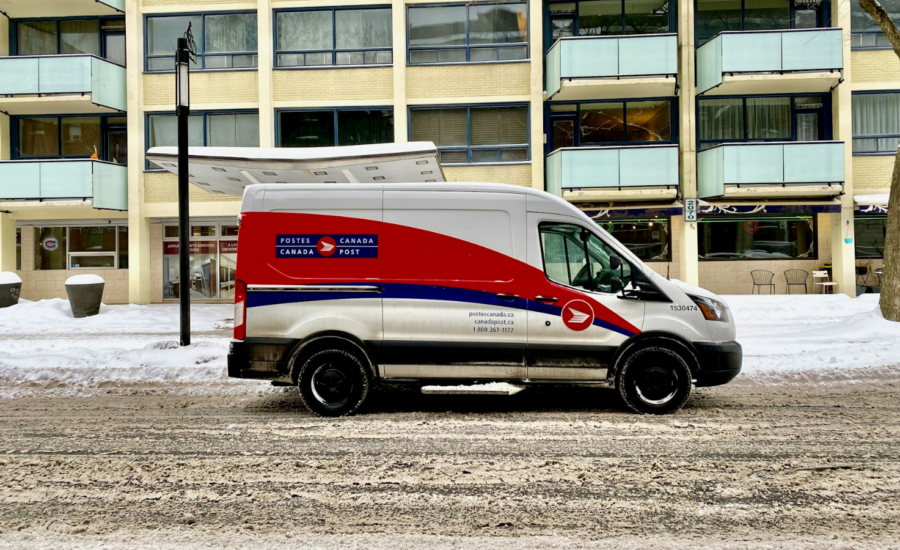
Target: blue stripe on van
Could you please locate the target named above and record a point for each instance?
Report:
(418, 292)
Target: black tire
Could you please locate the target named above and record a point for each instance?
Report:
(333, 382)
(654, 380)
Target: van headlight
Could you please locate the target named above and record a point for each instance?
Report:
(713, 310)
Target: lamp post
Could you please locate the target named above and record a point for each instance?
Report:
(183, 55)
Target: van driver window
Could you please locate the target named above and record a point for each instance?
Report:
(566, 262)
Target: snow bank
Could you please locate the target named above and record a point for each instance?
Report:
(8, 278)
(85, 279)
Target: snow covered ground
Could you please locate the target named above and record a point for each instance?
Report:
(801, 337)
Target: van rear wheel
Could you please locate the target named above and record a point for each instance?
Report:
(333, 382)
(654, 380)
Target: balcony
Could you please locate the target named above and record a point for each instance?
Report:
(616, 173)
(103, 183)
(22, 9)
(769, 62)
(61, 84)
(789, 169)
(605, 67)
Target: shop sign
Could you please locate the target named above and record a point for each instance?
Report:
(197, 247)
(690, 210)
(50, 244)
(228, 247)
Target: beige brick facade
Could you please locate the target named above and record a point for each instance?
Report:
(199, 5)
(871, 173)
(303, 85)
(516, 174)
(874, 66)
(163, 187)
(212, 87)
(480, 80)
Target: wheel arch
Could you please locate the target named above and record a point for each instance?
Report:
(330, 339)
(656, 338)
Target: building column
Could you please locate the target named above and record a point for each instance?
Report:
(138, 224)
(7, 242)
(536, 53)
(401, 113)
(843, 254)
(687, 138)
(265, 74)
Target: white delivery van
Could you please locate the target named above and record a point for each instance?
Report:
(343, 285)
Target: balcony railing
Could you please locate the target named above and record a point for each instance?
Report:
(584, 170)
(790, 168)
(103, 183)
(732, 62)
(579, 67)
(92, 82)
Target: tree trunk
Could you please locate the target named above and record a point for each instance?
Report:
(890, 278)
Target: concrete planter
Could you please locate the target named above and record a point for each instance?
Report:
(85, 294)
(10, 288)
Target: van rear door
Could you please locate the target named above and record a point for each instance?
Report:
(453, 273)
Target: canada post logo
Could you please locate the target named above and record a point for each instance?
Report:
(326, 246)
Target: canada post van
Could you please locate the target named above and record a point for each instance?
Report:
(343, 285)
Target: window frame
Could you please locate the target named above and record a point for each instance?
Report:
(14, 34)
(468, 46)
(200, 40)
(334, 111)
(824, 19)
(115, 253)
(147, 114)
(334, 49)
(827, 120)
(885, 136)
(856, 243)
(105, 127)
(550, 116)
(875, 30)
(469, 147)
(736, 219)
(585, 234)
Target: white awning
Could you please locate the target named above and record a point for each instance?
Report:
(871, 200)
(227, 170)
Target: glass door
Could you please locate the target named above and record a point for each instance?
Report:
(810, 118)
(114, 46)
(116, 145)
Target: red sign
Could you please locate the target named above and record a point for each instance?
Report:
(578, 315)
(228, 247)
(197, 247)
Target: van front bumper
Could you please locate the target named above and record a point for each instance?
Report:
(260, 358)
(720, 362)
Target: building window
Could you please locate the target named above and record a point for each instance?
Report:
(330, 127)
(213, 260)
(610, 18)
(865, 33)
(648, 239)
(611, 123)
(211, 129)
(100, 37)
(466, 135)
(333, 37)
(787, 118)
(91, 247)
(224, 41)
(468, 33)
(870, 232)
(715, 16)
(100, 137)
(757, 238)
(876, 123)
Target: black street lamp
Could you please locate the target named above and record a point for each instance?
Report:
(184, 54)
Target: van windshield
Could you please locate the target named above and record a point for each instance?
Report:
(576, 257)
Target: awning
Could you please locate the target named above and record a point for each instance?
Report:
(228, 170)
(631, 211)
(707, 207)
(871, 204)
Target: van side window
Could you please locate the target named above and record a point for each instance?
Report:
(575, 257)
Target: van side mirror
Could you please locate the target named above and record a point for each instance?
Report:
(615, 263)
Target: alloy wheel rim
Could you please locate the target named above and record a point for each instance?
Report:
(330, 385)
(656, 385)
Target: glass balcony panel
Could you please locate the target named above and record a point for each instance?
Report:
(612, 167)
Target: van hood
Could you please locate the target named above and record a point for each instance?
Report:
(695, 290)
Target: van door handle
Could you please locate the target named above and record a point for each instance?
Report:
(550, 299)
(508, 296)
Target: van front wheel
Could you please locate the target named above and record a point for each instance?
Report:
(333, 382)
(654, 380)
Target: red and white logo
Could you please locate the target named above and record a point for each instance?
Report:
(326, 246)
(50, 243)
(578, 315)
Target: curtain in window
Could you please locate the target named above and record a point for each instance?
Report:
(164, 130)
(230, 33)
(37, 38)
(500, 126)
(364, 127)
(769, 118)
(305, 30)
(721, 119)
(445, 127)
(163, 32)
(359, 29)
(876, 114)
(498, 23)
(437, 26)
(79, 37)
(232, 130)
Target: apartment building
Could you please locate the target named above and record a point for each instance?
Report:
(781, 116)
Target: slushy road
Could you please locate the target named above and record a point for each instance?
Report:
(793, 465)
